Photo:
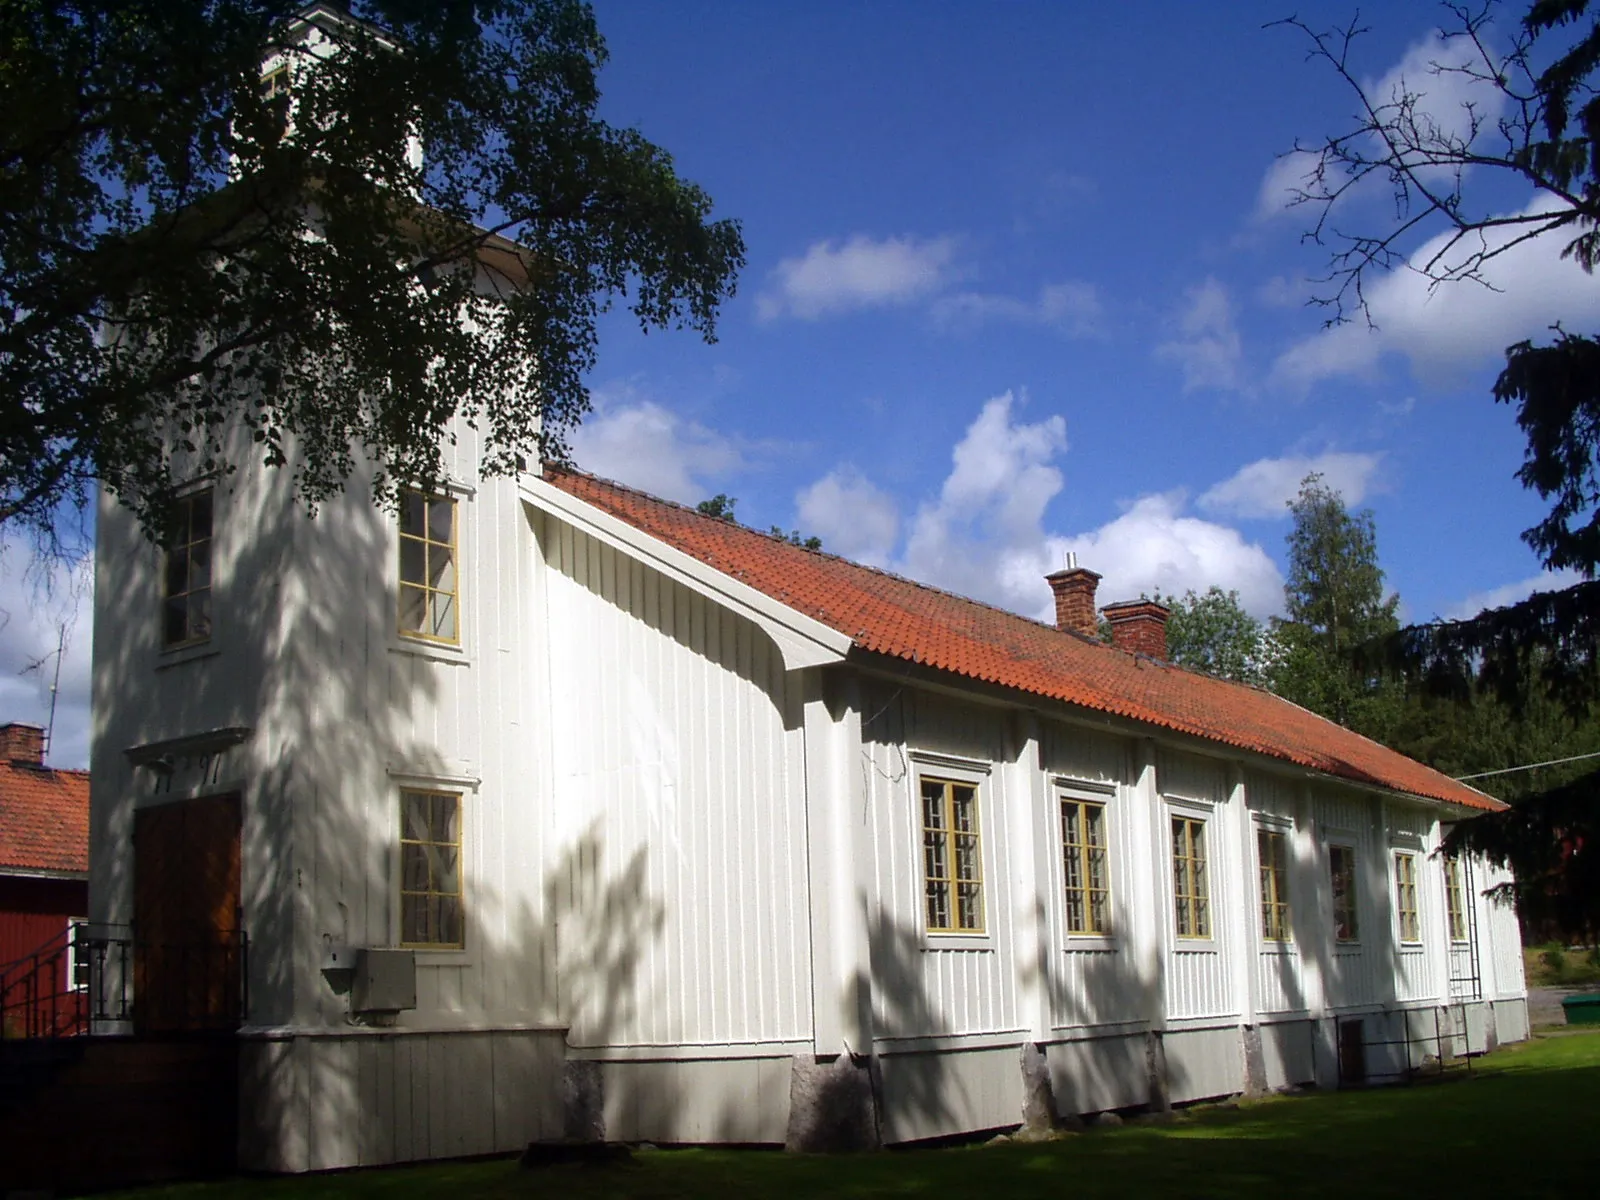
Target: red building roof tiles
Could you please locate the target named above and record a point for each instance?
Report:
(44, 819)
(888, 615)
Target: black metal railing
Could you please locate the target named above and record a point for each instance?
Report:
(107, 979)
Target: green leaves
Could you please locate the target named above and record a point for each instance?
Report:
(184, 257)
(1334, 601)
(1211, 632)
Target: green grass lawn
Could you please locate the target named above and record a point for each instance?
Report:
(1524, 1124)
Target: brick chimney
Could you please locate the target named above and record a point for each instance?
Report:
(22, 744)
(1139, 627)
(1074, 589)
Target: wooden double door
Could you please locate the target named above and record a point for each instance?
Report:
(188, 944)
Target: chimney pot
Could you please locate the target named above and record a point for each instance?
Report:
(1139, 627)
(22, 744)
(1074, 589)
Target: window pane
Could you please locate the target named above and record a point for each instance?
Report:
(442, 623)
(1097, 870)
(200, 614)
(971, 906)
(966, 809)
(1075, 913)
(442, 568)
(443, 816)
(200, 516)
(413, 609)
(413, 561)
(1069, 824)
(200, 565)
(967, 866)
(412, 514)
(413, 919)
(175, 621)
(177, 574)
(1100, 920)
(938, 906)
(413, 869)
(933, 805)
(449, 931)
(442, 521)
(933, 863)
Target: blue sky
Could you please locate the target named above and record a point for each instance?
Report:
(1019, 283)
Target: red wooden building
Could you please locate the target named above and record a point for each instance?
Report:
(44, 862)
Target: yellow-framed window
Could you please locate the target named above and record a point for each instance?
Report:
(186, 572)
(275, 83)
(1342, 871)
(1405, 897)
(952, 857)
(1087, 872)
(430, 577)
(1190, 885)
(432, 910)
(1454, 900)
(1272, 856)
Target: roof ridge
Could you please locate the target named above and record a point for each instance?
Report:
(44, 768)
(850, 562)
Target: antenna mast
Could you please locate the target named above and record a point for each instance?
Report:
(55, 686)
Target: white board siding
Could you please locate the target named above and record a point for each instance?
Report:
(920, 987)
(1197, 983)
(1502, 947)
(370, 1099)
(679, 795)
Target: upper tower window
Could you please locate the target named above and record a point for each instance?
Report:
(186, 593)
(429, 579)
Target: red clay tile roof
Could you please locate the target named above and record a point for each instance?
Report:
(44, 819)
(886, 614)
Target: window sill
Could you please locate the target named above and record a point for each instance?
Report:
(443, 958)
(1196, 946)
(1283, 949)
(186, 654)
(1089, 942)
(432, 651)
(958, 941)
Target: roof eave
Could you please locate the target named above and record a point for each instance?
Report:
(803, 641)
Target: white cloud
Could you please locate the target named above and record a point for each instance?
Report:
(1439, 104)
(1449, 329)
(1207, 347)
(1072, 308)
(851, 516)
(859, 273)
(636, 441)
(1511, 593)
(1153, 546)
(1264, 488)
(1442, 98)
(984, 536)
(1288, 176)
(35, 606)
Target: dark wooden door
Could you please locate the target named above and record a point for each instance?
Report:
(187, 941)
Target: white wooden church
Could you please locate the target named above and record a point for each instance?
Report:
(546, 808)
